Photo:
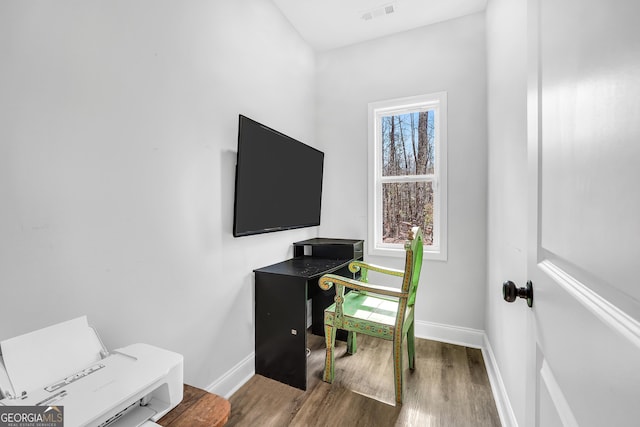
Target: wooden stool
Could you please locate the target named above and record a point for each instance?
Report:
(198, 408)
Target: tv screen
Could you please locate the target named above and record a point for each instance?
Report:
(278, 181)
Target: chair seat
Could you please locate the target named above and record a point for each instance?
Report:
(366, 313)
(363, 306)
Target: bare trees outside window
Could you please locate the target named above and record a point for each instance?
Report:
(408, 183)
(407, 149)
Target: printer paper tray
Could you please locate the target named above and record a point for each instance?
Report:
(134, 416)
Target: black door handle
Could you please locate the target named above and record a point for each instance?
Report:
(510, 292)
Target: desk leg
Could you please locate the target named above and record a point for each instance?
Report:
(320, 301)
(280, 320)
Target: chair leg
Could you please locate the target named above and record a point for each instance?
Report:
(397, 367)
(352, 345)
(330, 341)
(411, 347)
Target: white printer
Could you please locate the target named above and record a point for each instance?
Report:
(67, 365)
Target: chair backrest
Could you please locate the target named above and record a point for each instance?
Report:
(413, 264)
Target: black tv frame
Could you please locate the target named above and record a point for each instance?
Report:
(294, 170)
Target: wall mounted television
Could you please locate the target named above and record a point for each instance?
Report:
(278, 181)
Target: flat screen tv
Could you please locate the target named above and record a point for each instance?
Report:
(278, 181)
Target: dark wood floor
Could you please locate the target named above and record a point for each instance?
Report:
(449, 387)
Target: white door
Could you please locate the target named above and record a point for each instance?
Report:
(584, 207)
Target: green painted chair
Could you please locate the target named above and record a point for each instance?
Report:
(379, 311)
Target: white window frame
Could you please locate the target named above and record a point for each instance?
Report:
(436, 102)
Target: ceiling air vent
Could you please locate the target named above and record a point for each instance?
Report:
(385, 9)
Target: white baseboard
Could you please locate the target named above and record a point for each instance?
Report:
(505, 411)
(467, 337)
(235, 378)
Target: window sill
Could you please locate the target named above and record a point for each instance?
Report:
(430, 253)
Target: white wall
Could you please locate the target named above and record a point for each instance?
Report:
(507, 193)
(118, 130)
(448, 56)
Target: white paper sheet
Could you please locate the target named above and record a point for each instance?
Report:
(39, 358)
(5, 384)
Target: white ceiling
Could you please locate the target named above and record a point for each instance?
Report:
(328, 24)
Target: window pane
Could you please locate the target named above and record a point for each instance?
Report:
(405, 205)
(408, 146)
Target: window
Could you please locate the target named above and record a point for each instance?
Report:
(407, 182)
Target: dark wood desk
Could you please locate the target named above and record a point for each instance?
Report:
(281, 294)
(198, 408)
